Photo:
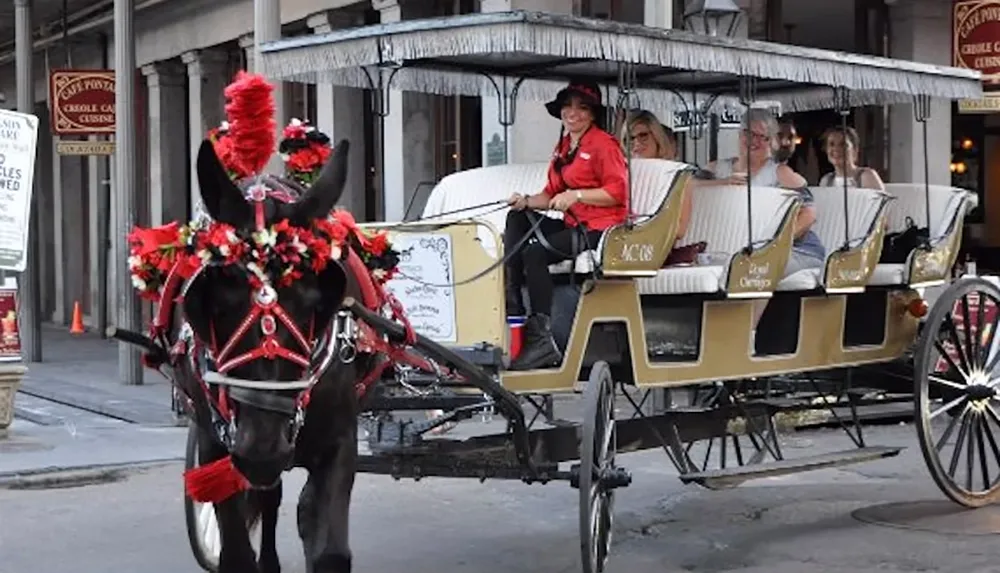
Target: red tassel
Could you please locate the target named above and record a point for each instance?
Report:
(215, 482)
(252, 129)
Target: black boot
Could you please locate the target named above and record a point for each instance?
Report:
(539, 348)
(514, 300)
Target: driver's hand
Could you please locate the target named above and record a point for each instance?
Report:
(517, 202)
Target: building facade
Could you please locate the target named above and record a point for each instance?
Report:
(188, 50)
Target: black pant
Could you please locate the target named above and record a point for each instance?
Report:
(530, 266)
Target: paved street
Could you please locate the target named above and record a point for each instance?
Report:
(794, 524)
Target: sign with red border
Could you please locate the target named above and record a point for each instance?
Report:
(82, 102)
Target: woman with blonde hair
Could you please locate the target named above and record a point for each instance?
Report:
(651, 140)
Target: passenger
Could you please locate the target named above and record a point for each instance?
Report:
(841, 147)
(787, 140)
(588, 182)
(762, 129)
(652, 140)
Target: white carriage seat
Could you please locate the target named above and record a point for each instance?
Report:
(863, 208)
(719, 218)
(651, 181)
(948, 206)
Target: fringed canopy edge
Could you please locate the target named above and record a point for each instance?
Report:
(502, 36)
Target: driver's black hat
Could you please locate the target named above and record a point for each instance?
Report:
(588, 92)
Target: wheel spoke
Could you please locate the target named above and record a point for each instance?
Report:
(946, 407)
(957, 344)
(991, 414)
(969, 328)
(947, 432)
(959, 442)
(981, 442)
(978, 358)
(945, 382)
(970, 451)
(951, 362)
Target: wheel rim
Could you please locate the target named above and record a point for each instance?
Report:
(597, 454)
(208, 531)
(958, 404)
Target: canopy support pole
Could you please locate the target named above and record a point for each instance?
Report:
(748, 94)
(841, 98)
(28, 287)
(921, 113)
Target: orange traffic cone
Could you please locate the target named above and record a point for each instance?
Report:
(77, 326)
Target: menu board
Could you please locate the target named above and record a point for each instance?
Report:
(426, 269)
(18, 135)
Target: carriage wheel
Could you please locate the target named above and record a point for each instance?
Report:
(202, 525)
(597, 469)
(956, 389)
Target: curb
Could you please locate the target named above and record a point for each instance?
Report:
(57, 477)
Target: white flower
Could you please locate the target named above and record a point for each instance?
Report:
(379, 274)
(134, 262)
(299, 245)
(295, 122)
(205, 255)
(265, 238)
(138, 283)
(224, 126)
(335, 252)
(224, 250)
(231, 237)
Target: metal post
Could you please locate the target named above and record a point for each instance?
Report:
(28, 287)
(129, 363)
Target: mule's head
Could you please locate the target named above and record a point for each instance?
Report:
(228, 307)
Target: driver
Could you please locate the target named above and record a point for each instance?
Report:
(588, 182)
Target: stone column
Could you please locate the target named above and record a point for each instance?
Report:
(29, 290)
(206, 81)
(391, 199)
(246, 44)
(168, 173)
(128, 315)
(534, 133)
(339, 114)
(267, 28)
(920, 33)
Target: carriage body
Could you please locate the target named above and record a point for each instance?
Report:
(628, 323)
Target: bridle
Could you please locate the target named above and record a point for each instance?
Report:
(210, 362)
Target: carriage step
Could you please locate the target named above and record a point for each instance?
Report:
(734, 476)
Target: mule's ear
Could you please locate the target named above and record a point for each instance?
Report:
(222, 198)
(327, 189)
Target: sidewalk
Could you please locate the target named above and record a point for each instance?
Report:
(82, 371)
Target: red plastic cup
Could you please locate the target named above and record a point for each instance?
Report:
(515, 325)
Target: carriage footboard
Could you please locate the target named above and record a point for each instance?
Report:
(506, 402)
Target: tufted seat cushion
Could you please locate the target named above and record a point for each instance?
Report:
(651, 180)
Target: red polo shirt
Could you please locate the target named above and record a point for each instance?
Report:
(599, 164)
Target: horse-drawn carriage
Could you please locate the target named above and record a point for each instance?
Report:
(634, 325)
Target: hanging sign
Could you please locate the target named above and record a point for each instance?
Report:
(82, 102)
(731, 116)
(18, 141)
(976, 39)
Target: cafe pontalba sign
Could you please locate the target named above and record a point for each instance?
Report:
(82, 102)
(976, 38)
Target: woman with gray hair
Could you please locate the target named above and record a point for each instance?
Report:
(761, 129)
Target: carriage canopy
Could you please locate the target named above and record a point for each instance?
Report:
(476, 54)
